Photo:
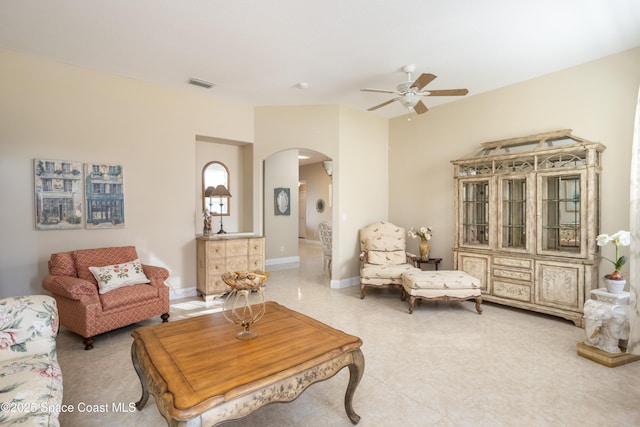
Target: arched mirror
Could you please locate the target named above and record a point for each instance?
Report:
(215, 188)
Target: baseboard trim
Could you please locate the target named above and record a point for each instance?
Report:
(285, 260)
(182, 293)
(345, 283)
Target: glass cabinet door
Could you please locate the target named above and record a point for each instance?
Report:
(513, 214)
(561, 213)
(475, 212)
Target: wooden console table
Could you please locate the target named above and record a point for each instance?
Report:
(435, 261)
(200, 374)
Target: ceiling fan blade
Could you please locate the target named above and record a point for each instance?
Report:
(446, 92)
(420, 108)
(383, 104)
(379, 90)
(423, 80)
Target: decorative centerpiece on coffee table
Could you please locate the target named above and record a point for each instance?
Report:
(237, 308)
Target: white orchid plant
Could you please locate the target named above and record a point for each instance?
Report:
(621, 238)
(424, 233)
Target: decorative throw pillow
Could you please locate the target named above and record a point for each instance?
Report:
(386, 257)
(112, 277)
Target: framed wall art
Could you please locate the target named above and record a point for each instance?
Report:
(58, 194)
(104, 195)
(282, 201)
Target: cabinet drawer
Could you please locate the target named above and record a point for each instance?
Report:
(215, 249)
(513, 262)
(236, 263)
(236, 248)
(215, 267)
(510, 290)
(524, 275)
(216, 286)
(256, 262)
(256, 246)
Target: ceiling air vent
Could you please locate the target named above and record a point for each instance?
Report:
(202, 83)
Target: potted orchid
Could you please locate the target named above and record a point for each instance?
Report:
(425, 234)
(621, 238)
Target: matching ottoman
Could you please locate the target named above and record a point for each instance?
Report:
(443, 285)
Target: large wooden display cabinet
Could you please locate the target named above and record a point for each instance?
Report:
(528, 212)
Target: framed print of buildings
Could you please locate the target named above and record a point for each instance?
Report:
(64, 200)
(58, 194)
(104, 186)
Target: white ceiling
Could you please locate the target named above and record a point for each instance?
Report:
(257, 51)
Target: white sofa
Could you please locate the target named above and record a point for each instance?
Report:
(30, 376)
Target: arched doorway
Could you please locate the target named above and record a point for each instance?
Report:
(309, 204)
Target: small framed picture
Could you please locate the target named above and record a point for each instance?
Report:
(282, 201)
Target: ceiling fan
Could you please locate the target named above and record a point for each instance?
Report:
(410, 92)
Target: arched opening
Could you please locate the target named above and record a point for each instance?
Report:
(299, 177)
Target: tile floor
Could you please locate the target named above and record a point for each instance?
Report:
(445, 365)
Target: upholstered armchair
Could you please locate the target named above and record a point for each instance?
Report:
(99, 290)
(384, 257)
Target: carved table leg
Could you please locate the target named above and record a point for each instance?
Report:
(145, 390)
(356, 369)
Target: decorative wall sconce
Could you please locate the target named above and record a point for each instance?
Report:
(328, 167)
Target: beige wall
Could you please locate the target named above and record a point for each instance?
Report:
(56, 111)
(596, 100)
(357, 143)
(51, 110)
(361, 188)
(281, 231)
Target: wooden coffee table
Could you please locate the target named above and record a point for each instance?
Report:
(200, 374)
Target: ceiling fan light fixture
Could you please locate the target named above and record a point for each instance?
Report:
(409, 100)
(410, 92)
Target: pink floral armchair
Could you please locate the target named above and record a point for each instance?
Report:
(99, 290)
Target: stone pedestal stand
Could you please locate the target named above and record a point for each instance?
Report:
(607, 329)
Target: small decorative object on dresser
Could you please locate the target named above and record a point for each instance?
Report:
(206, 228)
(615, 281)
